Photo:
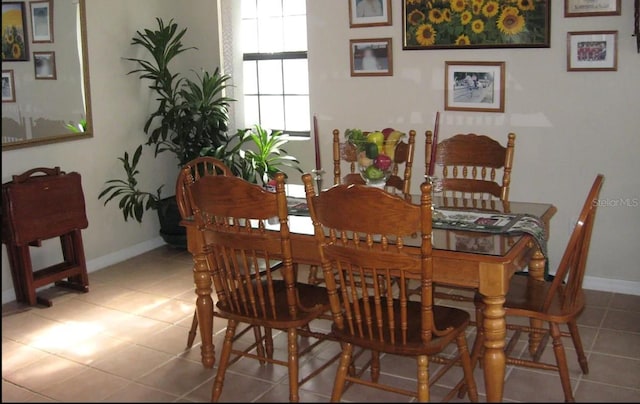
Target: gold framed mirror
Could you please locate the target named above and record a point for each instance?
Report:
(46, 96)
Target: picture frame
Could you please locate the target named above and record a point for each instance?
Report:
(472, 25)
(591, 8)
(592, 51)
(8, 86)
(44, 64)
(41, 21)
(474, 86)
(371, 57)
(15, 42)
(369, 13)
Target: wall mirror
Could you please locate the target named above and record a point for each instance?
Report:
(45, 73)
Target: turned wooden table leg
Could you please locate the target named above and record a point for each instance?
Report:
(536, 272)
(494, 363)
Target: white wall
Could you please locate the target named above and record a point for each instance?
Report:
(121, 104)
(569, 125)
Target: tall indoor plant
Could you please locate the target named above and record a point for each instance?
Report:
(192, 114)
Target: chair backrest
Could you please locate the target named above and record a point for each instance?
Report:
(401, 168)
(470, 164)
(361, 233)
(192, 172)
(570, 272)
(233, 215)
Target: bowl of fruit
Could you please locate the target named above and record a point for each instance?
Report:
(376, 151)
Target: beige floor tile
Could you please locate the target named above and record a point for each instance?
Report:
(597, 298)
(132, 361)
(532, 385)
(43, 373)
(592, 316)
(171, 340)
(16, 394)
(280, 393)
(174, 286)
(622, 320)
(88, 386)
(178, 377)
(16, 355)
(593, 392)
(615, 342)
(237, 388)
(625, 302)
(26, 326)
(614, 370)
(136, 393)
(171, 311)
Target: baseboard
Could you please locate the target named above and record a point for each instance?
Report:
(103, 262)
(612, 285)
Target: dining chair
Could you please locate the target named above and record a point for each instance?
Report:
(362, 232)
(471, 166)
(474, 172)
(191, 172)
(345, 154)
(557, 302)
(234, 215)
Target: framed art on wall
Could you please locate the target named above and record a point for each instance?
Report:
(45, 65)
(474, 86)
(592, 51)
(15, 44)
(462, 24)
(8, 86)
(371, 57)
(369, 13)
(589, 8)
(41, 21)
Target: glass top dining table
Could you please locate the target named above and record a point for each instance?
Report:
(477, 259)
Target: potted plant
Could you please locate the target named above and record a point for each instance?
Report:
(192, 114)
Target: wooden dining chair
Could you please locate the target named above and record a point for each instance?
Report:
(472, 167)
(362, 232)
(345, 154)
(474, 173)
(558, 302)
(234, 215)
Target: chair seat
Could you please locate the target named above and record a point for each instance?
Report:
(526, 297)
(444, 317)
(312, 300)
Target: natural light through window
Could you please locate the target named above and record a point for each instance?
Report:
(275, 68)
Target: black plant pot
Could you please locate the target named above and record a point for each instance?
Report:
(170, 230)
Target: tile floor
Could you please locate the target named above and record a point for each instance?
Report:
(125, 341)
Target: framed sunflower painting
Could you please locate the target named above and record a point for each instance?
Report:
(472, 24)
(14, 32)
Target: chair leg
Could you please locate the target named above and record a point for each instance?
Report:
(259, 345)
(577, 343)
(268, 342)
(476, 350)
(467, 367)
(422, 378)
(341, 374)
(292, 337)
(192, 331)
(375, 366)
(561, 360)
(313, 278)
(224, 360)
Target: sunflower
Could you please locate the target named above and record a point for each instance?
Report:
(476, 8)
(463, 40)
(465, 17)
(446, 14)
(490, 9)
(8, 38)
(526, 5)
(416, 2)
(435, 16)
(16, 51)
(477, 26)
(458, 5)
(426, 35)
(415, 17)
(510, 22)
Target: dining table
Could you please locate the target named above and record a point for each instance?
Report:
(475, 246)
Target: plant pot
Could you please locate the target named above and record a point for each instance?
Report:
(170, 229)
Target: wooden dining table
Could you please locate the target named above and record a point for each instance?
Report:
(481, 261)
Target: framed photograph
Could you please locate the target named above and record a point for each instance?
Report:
(45, 65)
(8, 86)
(592, 50)
(589, 8)
(371, 57)
(475, 24)
(41, 21)
(15, 44)
(474, 86)
(369, 13)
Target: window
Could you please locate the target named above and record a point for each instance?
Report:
(274, 65)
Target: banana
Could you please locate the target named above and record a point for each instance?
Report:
(390, 144)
